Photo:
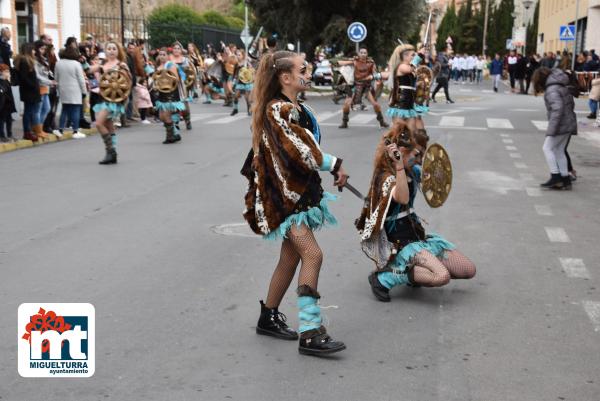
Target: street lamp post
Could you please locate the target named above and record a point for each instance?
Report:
(576, 32)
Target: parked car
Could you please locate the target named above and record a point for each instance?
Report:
(323, 74)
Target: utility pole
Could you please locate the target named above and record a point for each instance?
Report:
(123, 22)
(485, 26)
(576, 32)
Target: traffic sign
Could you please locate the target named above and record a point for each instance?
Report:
(357, 32)
(567, 32)
(509, 44)
(246, 37)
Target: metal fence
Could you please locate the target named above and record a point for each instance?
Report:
(201, 35)
(105, 27)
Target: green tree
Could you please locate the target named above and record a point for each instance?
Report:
(447, 27)
(325, 22)
(172, 22)
(500, 26)
(177, 22)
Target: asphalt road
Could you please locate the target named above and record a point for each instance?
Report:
(157, 244)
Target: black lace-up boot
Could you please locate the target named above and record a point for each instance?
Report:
(272, 323)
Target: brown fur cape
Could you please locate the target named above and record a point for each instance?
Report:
(278, 174)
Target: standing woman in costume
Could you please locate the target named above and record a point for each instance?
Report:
(169, 104)
(285, 198)
(240, 86)
(389, 222)
(402, 65)
(182, 63)
(107, 112)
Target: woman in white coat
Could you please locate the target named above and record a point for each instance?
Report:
(71, 86)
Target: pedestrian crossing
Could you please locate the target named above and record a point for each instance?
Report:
(473, 121)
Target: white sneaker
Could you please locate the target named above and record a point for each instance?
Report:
(79, 135)
(117, 123)
(57, 133)
(145, 122)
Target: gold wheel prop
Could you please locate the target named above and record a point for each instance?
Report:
(115, 86)
(436, 180)
(190, 76)
(165, 81)
(246, 75)
(424, 78)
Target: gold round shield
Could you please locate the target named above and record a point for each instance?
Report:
(246, 75)
(436, 179)
(115, 86)
(165, 81)
(190, 76)
(424, 78)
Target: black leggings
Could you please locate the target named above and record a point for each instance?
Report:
(443, 84)
(570, 166)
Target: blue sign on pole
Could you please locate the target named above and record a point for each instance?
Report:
(567, 32)
(357, 32)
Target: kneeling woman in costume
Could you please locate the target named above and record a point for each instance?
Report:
(285, 198)
(169, 103)
(392, 234)
(107, 111)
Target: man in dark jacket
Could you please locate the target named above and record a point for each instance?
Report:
(443, 76)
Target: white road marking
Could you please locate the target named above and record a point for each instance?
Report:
(507, 141)
(327, 115)
(533, 192)
(520, 165)
(495, 182)
(458, 127)
(523, 110)
(526, 176)
(593, 137)
(541, 125)
(543, 210)
(198, 117)
(443, 113)
(501, 123)
(230, 119)
(515, 155)
(593, 311)
(465, 90)
(362, 118)
(487, 91)
(452, 121)
(505, 135)
(574, 268)
(557, 234)
(511, 148)
(474, 108)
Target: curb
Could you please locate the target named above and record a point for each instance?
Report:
(24, 143)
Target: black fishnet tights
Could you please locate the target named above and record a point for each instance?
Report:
(430, 271)
(300, 245)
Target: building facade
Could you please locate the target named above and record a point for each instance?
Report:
(28, 19)
(556, 13)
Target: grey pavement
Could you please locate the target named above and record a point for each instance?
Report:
(157, 244)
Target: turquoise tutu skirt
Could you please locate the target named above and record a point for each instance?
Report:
(434, 244)
(243, 87)
(421, 109)
(115, 110)
(314, 218)
(173, 107)
(401, 113)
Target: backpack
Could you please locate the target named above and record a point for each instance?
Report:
(573, 86)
